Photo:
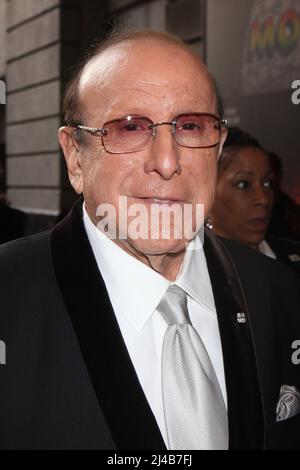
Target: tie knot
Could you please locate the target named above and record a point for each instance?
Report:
(173, 306)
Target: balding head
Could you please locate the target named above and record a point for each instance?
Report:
(106, 56)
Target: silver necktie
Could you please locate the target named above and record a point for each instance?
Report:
(194, 409)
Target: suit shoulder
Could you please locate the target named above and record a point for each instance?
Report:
(268, 285)
(237, 249)
(24, 252)
(255, 263)
(284, 244)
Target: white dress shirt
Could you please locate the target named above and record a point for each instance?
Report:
(135, 291)
(265, 249)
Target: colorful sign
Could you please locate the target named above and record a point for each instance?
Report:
(271, 60)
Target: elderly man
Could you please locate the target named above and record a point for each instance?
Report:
(128, 335)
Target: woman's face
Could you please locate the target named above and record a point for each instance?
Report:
(244, 196)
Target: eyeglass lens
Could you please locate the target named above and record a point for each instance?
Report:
(133, 133)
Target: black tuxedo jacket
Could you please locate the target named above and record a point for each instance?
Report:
(286, 251)
(68, 382)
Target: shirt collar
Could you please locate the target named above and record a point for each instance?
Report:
(194, 278)
(136, 288)
(265, 248)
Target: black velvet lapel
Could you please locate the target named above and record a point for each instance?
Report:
(121, 398)
(243, 393)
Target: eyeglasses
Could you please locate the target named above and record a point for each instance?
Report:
(133, 133)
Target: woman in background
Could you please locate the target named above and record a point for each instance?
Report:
(245, 196)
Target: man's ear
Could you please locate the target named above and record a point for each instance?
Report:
(222, 140)
(72, 155)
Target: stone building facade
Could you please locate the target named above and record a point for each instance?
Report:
(41, 41)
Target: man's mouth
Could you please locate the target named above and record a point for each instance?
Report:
(169, 200)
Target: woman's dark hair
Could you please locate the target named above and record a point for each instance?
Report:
(236, 138)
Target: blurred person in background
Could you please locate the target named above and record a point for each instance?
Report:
(12, 221)
(245, 196)
(285, 220)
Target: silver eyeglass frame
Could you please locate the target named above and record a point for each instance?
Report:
(100, 131)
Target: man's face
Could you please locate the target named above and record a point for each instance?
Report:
(158, 80)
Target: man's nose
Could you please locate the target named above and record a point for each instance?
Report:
(163, 153)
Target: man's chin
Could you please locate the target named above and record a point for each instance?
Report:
(157, 247)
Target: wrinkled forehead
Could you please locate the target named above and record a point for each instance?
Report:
(159, 63)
